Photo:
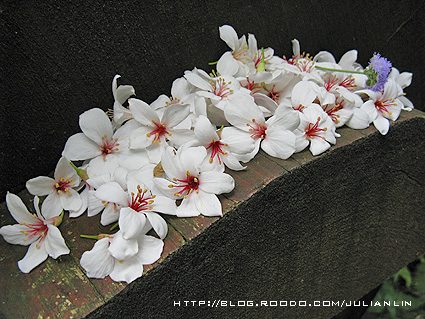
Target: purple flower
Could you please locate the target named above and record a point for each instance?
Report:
(377, 72)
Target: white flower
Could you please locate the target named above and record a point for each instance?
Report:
(59, 190)
(276, 134)
(154, 132)
(105, 148)
(121, 94)
(224, 146)
(42, 235)
(215, 90)
(101, 261)
(181, 93)
(383, 106)
(138, 207)
(193, 182)
(316, 128)
(110, 211)
(234, 62)
(403, 80)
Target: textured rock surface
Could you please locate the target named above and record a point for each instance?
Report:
(330, 230)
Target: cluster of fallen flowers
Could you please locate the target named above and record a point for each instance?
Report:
(169, 157)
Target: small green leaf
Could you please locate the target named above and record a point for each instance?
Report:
(405, 274)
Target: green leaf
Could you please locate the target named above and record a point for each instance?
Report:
(419, 279)
(405, 274)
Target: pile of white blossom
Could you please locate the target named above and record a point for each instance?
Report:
(143, 160)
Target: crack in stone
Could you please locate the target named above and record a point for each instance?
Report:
(410, 177)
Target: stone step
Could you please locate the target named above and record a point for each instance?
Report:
(313, 229)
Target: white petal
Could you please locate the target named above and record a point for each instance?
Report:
(198, 81)
(279, 143)
(318, 146)
(158, 223)
(52, 206)
(150, 249)
(112, 192)
(180, 88)
(348, 59)
(300, 141)
(164, 205)
(191, 158)
(141, 138)
(98, 180)
(121, 248)
(95, 205)
(240, 111)
(71, 201)
(18, 210)
(204, 131)
(370, 109)
(303, 93)
(175, 114)
(133, 159)
(227, 65)
(95, 124)
(34, 257)
(15, 234)
(131, 223)
(232, 162)
(286, 118)
(142, 112)
(163, 186)
(41, 185)
(65, 170)
(101, 165)
(123, 92)
(79, 147)
(180, 136)
(359, 120)
(229, 35)
(382, 124)
(239, 142)
(127, 270)
(208, 204)
(171, 164)
(98, 262)
(110, 215)
(188, 208)
(54, 243)
(216, 183)
(84, 203)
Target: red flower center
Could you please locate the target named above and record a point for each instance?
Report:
(188, 185)
(258, 130)
(332, 110)
(216, 150)
(313, 130)
(37, 229)
(254, 88)
(63, 185)
(109, 146)
(221, 88)
(381, 106)
(139, 202)
(158, 132)
(273, 93)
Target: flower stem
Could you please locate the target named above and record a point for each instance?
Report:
(89, 236)
(82, 173)
(113, 227)
(213, 63)
(337, 70)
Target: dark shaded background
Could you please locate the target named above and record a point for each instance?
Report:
(58, 58)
